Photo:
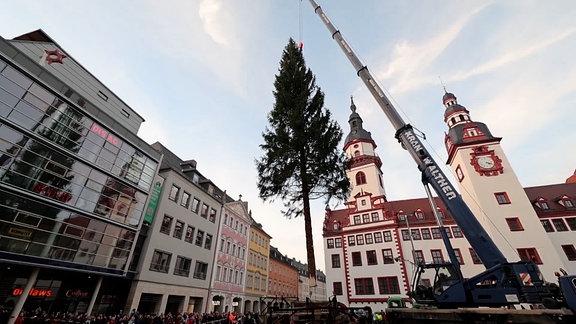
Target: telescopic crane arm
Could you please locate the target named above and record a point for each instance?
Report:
(432, 175)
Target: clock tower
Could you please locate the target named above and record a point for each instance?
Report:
(364, 165)
(491, 189)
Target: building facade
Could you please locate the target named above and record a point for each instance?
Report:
(256, 283)
(74, 182)
(178, 254)
(282, 277)
(372, 246)
(227, 288)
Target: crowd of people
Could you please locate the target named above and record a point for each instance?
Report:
(42, 317)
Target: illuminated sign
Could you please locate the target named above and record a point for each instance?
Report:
(33, 292)
(52, 192)
(104, 134)
(20, 232)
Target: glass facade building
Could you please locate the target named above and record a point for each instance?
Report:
(73, 193)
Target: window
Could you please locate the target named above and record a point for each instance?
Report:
(356, 259)
(375, 217)
(456, 231)
(185, 200)
(174, 191)
(200, 270)
(166, 225)
(182, 267)
(419, 257)
(338, 242)
(360, 178)
(371, 258)
(436, 233)
(195, 205)
(439, 212)
(189, 234)
(360, 239)
(502, 198)
(514, 224)
(568, 203)
(212, 216)
(387, 256)
(543, 204)
(365, 218)
(199, 238)
(405, 235)
(448, 232)
(426, 234)
(474, 256)
(570, 252)
(377, 237)
(388, 285)
(437, 256)
(368, 238)
(529, 254)
(387, 236)
(458, 256)
(559, 224)
(335, 260)
(351, 240)
(330, 243)
(337, 288)
(356, 219)
(416, 234)
(208, 242)
(160, 261)
(571, 223)
(364, 286)
(547, 226)
(178, 230)
(419, 214)
(204, 211)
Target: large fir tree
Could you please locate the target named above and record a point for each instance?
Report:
(302, 160)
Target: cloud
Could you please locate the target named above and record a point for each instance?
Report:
(409, 61)
(513, 56)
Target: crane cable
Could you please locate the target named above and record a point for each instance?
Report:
(300, 44)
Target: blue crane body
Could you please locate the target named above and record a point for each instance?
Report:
(503, 283)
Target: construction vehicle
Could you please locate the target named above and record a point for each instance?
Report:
(491, 295)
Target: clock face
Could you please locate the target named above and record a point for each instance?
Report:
(485, 162)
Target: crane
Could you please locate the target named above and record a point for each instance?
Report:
(502, 283)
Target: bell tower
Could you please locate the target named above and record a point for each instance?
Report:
(491, 189)
(364, 165)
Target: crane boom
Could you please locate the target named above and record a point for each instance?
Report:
(432, 175)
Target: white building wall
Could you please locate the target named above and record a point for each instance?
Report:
(478, 191)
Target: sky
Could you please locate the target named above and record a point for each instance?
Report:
(201, 74)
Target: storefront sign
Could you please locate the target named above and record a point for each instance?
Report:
(33, 292)
(153, 201)
(76, 294)
(104, 134)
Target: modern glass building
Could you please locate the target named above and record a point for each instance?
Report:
(74, 183)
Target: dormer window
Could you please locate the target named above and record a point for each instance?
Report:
(439, 212)
(542, 204)
(566, 202)
(419, 214)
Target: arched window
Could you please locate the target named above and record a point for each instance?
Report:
(360, 178)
